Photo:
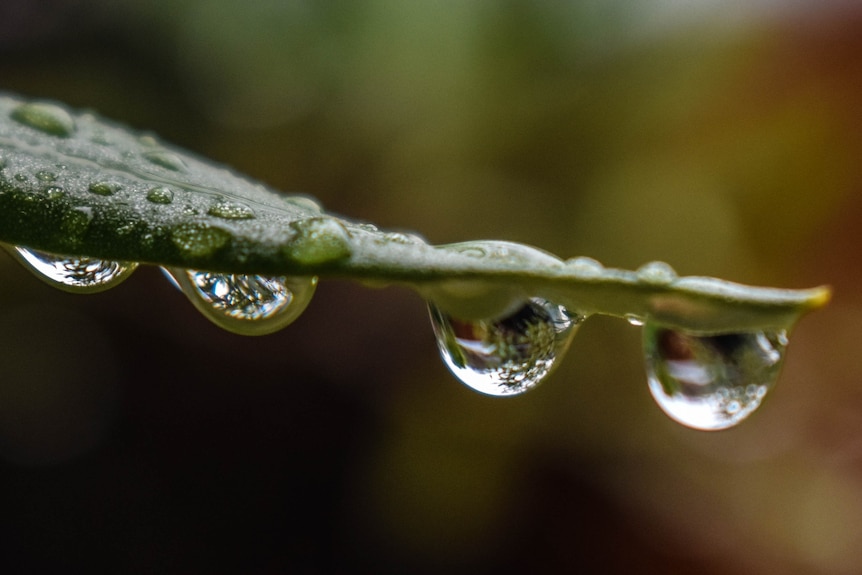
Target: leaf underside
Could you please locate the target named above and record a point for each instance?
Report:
(75, 184)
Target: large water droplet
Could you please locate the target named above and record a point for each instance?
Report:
(44, 117)
(245, 304)
(711, 382)
(72, 273)
(508, 355)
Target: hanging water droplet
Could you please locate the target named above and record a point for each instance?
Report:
(44, 117)
(72, 273)
(711, 382)
(245, 304)
(508, 355)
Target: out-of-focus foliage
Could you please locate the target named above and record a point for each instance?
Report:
(721, 138)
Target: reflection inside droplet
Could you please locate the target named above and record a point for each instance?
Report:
(711, 382)
(509, 355)
(245, 304)
(73, 273)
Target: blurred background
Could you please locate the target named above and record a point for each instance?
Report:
(721, 137)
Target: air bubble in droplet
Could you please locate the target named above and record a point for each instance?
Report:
(160, 195)
(508, 355)
(245, 304)
(231, 211)
(72, 273)
(104, 188)
(47, 118)
(711, 382)
(656, 273)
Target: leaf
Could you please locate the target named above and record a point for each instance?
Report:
(74, 184)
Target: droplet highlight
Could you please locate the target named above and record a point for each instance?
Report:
(47, 118)
(73, 273)
(509, 355)
(245, 304)
(711, 382)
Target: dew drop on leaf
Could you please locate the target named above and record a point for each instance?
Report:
(245, 304)
(166, 159)
(508, 355)
(104, 188)
(231, 211)
(72, 273)
(711, 382)
(47, 118)
(160, 195)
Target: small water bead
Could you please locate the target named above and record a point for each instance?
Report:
(46, 176)
(47, 118)
(199, 240)
(508, 355)
(166, 159)
(160, 195)
(634, 320)
(585, 267)
(104, 188)
(656, 273)
(72, 273)
(245, 304)
(711, 382)
(231, 211)
(318, 240)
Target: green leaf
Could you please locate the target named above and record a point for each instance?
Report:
(74, 184)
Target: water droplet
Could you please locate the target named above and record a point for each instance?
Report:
(245, 304)
(19, 177)
(46, 176)
(160, 195)
(318, 240)
(72, 273)
(305, 203)
(44, 117)
(54, 192)
(231, 211)
(166, 159)
(199, 240)
(585, 267)
(634, 320)
(656, 273)
(711, 382)
(508, 355)
(104, 188)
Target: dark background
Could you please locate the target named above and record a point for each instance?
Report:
(724, 138)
